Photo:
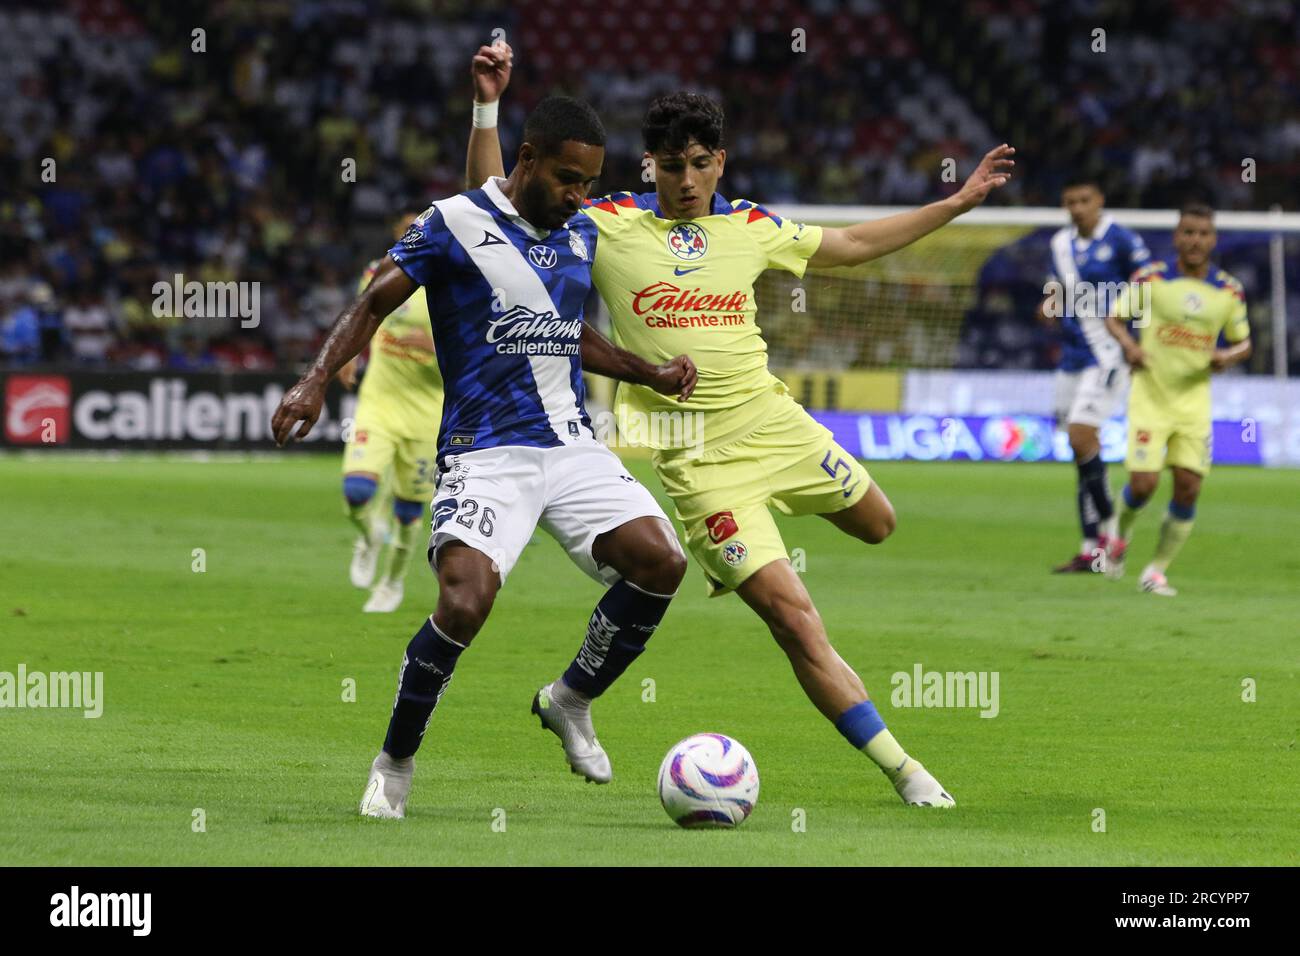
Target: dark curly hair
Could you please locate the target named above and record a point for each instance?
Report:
(675, 119)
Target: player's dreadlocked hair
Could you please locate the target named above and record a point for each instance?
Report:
(675, 119)
(559, 118)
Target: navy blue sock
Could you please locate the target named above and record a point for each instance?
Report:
(621, 624)
(426, 672)
(1088, 519)
(1092, 477)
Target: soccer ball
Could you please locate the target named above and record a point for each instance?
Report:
(708, 780)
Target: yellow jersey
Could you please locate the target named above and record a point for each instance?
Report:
(401, 393)
(686, 286)
(1179, 320)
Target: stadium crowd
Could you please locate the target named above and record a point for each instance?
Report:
(144, 140)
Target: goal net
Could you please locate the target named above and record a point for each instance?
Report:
(965, 296)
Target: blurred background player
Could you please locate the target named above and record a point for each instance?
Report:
(1181, 310)
(676, 269)
(1093, 254)
(393, 449)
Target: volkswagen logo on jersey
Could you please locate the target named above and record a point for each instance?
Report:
(578, 245)
(687, 241)
(1102, 253)
(541, 256)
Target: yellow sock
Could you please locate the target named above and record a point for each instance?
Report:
(889, 756)
(1174, 533)
(399, 556)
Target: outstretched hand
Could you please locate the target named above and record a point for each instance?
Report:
(993, 171)
(491, 71)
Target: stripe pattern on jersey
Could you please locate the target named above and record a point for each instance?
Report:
(506, 270)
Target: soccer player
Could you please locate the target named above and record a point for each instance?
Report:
(1180, 310)
(506, 270)
(676, 268)
(1091, 259)
(398, 409)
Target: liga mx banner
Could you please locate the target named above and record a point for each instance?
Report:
(923, 437)
(157, 410)
(1253, 410)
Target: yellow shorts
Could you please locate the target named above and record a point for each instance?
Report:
(722, 496)
(1189, 444)
(414, 462)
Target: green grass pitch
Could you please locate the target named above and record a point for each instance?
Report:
(224, 689)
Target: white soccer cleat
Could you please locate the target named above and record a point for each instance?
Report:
(1153, 582)
(365, 553)
(571, 722)
(385, 598)
(920, 789)
(1115, 550)
(386, 790)
(365, 557)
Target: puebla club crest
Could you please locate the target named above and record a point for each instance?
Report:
(578, 245)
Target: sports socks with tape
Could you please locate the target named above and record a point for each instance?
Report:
(426, 671)
(616, 635)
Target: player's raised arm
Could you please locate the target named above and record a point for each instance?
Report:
(855, 245)
(352, 330)
(491, 71)
(601, 356)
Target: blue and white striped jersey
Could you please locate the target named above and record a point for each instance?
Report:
(505, 303)
(1105, 260)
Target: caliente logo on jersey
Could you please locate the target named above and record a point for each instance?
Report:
(521, 331)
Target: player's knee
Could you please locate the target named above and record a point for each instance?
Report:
(462, 612)
(881, 524)
(407, 512)
(1142, 485)
(662, 570)
(358, 489)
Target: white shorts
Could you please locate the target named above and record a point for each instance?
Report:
(493, 500)
(1090, 396)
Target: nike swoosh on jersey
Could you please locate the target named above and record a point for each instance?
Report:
(682, 272)
(490, 240)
